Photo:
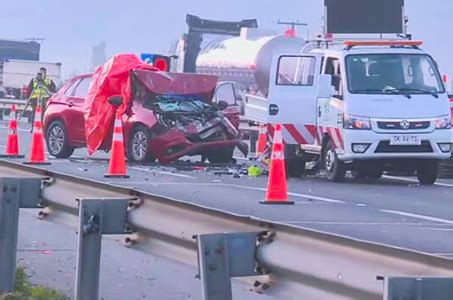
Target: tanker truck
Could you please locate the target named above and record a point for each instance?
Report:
(244, 59)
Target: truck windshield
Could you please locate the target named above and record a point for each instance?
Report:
(393, 74)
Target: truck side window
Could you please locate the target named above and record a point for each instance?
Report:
(296, 70)
(333, 68)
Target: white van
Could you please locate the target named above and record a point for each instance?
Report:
(363, 106)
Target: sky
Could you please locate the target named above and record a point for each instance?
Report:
(72, 28)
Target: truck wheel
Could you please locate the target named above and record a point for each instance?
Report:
(427, 172)
(221, 155)
(138, 146)
(56, 141)
(335, 168)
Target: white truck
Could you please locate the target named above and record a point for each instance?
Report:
(363, 106)
(15, 76)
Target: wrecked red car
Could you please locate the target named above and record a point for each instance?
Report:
(165, 116)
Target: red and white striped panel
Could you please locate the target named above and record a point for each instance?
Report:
(296, 133)
(335, 134)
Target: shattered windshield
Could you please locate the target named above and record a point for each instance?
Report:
(180, 103)
(393, 73)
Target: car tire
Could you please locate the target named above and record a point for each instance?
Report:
(427, 172)
(138, 146)
(334, 168)
(57, 141)
(221, 155)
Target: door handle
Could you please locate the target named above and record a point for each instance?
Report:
(71, 104)
(319, 112)
(273, 109)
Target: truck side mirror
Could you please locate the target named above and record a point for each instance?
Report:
(115, 101)
(325, 86)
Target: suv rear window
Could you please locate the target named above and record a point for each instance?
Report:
(82, 88)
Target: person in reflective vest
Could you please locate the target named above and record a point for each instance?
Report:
(40, 87)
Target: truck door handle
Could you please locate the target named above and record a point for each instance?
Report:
(71, 104)
(319, 111)
(273, 109)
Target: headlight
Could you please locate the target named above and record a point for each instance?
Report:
(443, 122)
(356, 122)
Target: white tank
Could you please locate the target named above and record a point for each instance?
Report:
(246, 59)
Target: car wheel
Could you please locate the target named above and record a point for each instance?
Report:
(221, 155)
(427, 172)
(138, 149)
(57, 141)
(335, 168)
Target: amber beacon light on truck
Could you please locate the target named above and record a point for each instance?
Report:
(413, 44)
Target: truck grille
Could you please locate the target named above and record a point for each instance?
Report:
(396, 125)
(385, 147)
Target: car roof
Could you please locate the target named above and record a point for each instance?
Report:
(341, 51)
(81, 76)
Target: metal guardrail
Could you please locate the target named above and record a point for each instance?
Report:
(6, 103)
(297, 261)
(5, 106)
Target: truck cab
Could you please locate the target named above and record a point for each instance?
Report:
(362, 106)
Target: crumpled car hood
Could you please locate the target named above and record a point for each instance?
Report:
(160, 83)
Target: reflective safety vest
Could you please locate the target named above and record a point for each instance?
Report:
(41, 90)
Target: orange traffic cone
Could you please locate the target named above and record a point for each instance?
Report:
(12, 142)
(277, 189)
(117, 166)
(262, 140)
(37, 155)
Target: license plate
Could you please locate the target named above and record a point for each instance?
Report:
(405, 140)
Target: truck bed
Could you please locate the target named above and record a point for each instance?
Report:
(256, 108)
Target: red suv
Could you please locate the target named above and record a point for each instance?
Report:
(156, 126)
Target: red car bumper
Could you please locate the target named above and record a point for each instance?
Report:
(174, 144)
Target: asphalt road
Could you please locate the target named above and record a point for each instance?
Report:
(393, 211)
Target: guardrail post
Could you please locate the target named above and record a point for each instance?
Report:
(223, 256)
(13, 197)
(418, 288)
(96, 217)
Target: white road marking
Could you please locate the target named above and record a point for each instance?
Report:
(437, 229)
(329, 200)
(305, 196)
(415, 181)
(417, 216)
(164, 173)
(176, 174)
(361, 223)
